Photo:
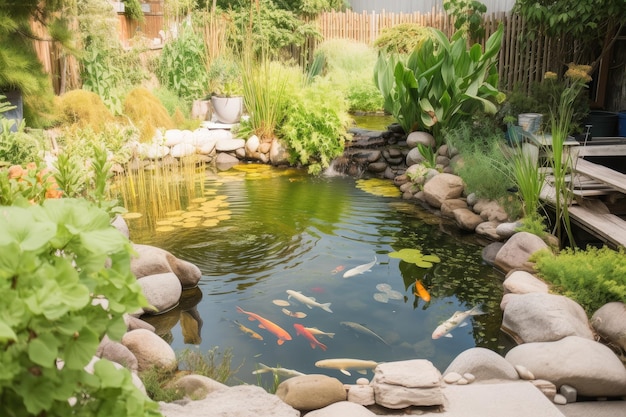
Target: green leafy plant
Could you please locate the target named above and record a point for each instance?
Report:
(315, 126)
(225, 77)
(102, 79)
(592, 277)
(182, 66)
(468, 17)
(66, 279)
(132, 9)
(402, 38)
(415, 256)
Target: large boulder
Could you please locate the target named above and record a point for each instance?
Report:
(151, 260)
(237, 401)
(420, 138)
(443, 187)
(279, 155)
(467, 219)
(588, 366)
(116, 352)
(516, 251)
(342, 408)
(150, 350)
(162, 291)
(408, 383)
(610, 323)
(541, 317)
(523, 282)
(484, 364)
(196, 387)
(310, 392)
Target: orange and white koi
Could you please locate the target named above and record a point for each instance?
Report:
(301, 330)
(317, 332)
(339, 268)
(421, 291)
(272, 327)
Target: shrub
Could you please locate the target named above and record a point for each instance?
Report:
(402, 38)
(592, 277)
(82, 108)
(146, 112)
(171, 101)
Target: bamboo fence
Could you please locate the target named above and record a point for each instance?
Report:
(521, 60)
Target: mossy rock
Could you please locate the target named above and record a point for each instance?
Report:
(146, 112)
(82, 108)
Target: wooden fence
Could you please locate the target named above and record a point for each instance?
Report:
(520, 62)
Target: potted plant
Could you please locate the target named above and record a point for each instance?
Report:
(226, 90)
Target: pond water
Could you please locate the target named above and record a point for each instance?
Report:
(256, 232)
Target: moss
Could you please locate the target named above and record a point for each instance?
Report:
(147, 113)
(82, 108)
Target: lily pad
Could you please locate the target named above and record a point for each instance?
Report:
(383, 287)
(395, 295)
(381, 297)
(379, 187)
(415, 256)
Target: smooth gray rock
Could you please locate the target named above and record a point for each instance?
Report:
(150, 350)
(403, 384)
(490, 251)
(488, 229)
(151, 260)
(507, 229)
(116, 352)
(237, 401)
(196, 387)
(414, 157)
(423, 138)
(590, 367)
(523, 282)
(610, 323)
(517, 250)
(310, 392)
(484, 364)
(162, 291)
(541, 317)
(279, 155)
(342, 409)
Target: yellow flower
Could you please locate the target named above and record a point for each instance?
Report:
(577, 72)
(549, 75)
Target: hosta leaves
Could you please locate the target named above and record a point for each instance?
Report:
(415, 256)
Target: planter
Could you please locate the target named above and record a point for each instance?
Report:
(227, 109)
(603, 123)
(530, 122)
(621, 128)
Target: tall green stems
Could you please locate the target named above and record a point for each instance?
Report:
(561, 162)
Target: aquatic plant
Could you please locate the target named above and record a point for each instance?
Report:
(415, 256)
(379, 187)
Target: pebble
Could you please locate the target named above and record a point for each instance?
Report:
(469, 377)
(362, 381)
(452, 377)
(559, 399)
(569, 393)
(524, 373)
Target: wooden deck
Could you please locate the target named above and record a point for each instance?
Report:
(591, 183)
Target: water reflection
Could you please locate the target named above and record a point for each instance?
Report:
(288, 231)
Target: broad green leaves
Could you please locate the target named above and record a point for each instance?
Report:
(54, 260)
(415, 256)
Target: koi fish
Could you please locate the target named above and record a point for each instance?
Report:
(248, 331)
(308, 301)
(360, 269)
(343, 364)
(296, 314)
(363, 330)
(287, 373)
(338, 269)
(318, 332)
(457, 320)
(274, 328)
(301, 330)
(421, 291)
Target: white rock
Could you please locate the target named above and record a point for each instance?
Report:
(361, 394)
(150, 350)
(405, 383)
(172, 137)
(469, 377)
(162, 291)
(342, 408)
(524, 373)
(483, 364)
(154, 151)
(362, 381)
(182, 149)
(559, 399)
(452, 377)
(253, 143)
(229, 145)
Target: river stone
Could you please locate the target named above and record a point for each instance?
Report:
(541, 317)
(372, 155)
(172, 137)
(229, 145)
(237, 401)
(133, 323)
(150, 350)
(253, 143)
(182, 149)
(116, 352)
(154, 151)
(279, 155)
(488, 229)
(590, 367)
(507, 229)
(517, 250)
(448, 206)
(414, 157)
(377, 167)
(442, 187)
(341, 409)
(120, 224)
(491, 211)
(151, 260)
(403, 384)
(609, 321)
(162, 291)
(361, 394)
(225, 161)
(196, 387)
(424, 138)
(484, 364)
(546, 387)
(490, 251)
(310, 392)
(523, 282)
(467, 219)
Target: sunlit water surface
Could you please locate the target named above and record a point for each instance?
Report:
(280, 230)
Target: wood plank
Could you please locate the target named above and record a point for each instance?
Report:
(608, 226)
(602, 150)
(615, 179)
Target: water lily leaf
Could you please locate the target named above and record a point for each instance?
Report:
(415, 256)
(432, 258)
(423, 264)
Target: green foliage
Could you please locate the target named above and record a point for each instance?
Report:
(182, 66)
(592, 277)
(468, 17)
(348, 65)
(82, 108)
(415, 256)
(132, 10)
(102, 79)
(56, 260)
(224, 76)
(146, 112)
(315, 126)
(171, 101)
(22, 186)
(402, 38)
(19, 147)
(441, 83)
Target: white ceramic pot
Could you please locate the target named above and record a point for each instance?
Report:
(227, 109)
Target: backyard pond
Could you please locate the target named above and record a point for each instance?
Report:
(259, 234)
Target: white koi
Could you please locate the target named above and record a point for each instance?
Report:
(360, 269)
(457, 320)
(318, 332)
(287, 373)
(343, 364)
(308, 301)
(363, 330)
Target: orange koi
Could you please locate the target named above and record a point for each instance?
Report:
(301, 330)
(273, 328)
(421, 291)
(338, 269)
